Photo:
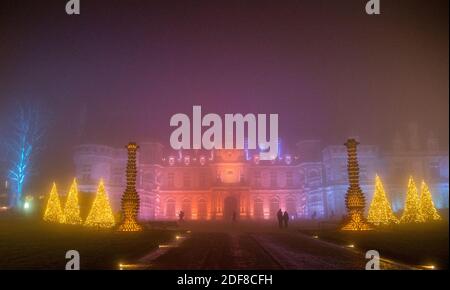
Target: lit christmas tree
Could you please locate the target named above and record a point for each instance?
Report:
(380, 211)
(72, 208)
(53, 212)
(412, 212)
(429, 212)
(101, 215)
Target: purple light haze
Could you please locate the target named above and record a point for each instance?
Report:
(328, 69)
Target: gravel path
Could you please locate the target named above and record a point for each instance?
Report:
(260, 250)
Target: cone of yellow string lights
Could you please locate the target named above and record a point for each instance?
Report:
(53, 211)
(380, 210)
(101, 214)
(72, 207)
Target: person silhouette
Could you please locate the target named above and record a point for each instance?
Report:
(234, 216)
(285, 219)
(280, 218)
(181, 216)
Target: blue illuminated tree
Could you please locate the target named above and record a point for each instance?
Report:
(27, 132)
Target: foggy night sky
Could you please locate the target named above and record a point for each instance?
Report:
(328, 69)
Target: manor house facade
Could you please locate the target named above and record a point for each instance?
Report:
(310, 182)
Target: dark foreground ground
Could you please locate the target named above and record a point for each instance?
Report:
(420, 245)
(264, 246)
(259, 251)
(26, 244)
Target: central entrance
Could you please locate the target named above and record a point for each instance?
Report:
(230, 206)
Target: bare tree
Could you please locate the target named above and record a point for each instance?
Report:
(26, 140)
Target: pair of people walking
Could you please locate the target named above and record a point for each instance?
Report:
(283, 219)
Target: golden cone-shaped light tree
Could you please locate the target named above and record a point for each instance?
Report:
(412, 212)
(101, 215)
(72, 208)
(380, 211)
(53, 212)
(429, 212)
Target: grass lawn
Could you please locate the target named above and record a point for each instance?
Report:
(423, 244)
(30, 244)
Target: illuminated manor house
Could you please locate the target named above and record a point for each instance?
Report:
(310, 182)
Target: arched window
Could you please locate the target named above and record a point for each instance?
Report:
(273, 179)
(186, 208)
(202, 210)
(187, 180)
(301, 176)
(258, 210)
(313, 173)
(170, 209)
(291, 207)
(274, 207)
(314, 176)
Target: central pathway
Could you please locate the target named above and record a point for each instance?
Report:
(243, 249)
(217, 251)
